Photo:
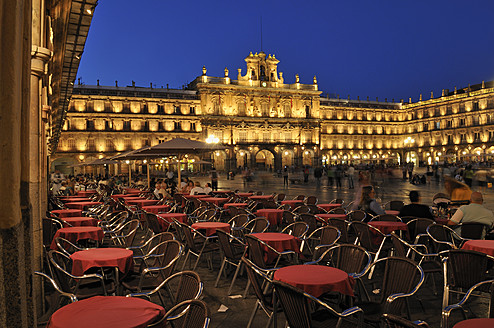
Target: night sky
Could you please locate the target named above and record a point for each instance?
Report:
(386, 49)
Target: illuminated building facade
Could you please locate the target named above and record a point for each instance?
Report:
(267, 123)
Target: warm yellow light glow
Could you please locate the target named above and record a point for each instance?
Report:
(212, 139)
(81, 157)
(145, 161)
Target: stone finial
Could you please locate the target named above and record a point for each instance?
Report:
(455, 90)
(314, 80)
(116, 83)
(410, 100)
(204, 70)
(281, 77)
(483, 85)
(256, 55)
(239, 75)
(442, 93)
(226, 72)
(297, 78)
(97, 83)
(420, 98)
(432, 95)
(274, 57)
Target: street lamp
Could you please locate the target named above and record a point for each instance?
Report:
(408, 142)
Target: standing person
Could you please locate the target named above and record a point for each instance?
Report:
(404, 170)
(481, 177)
(330, 175)
(214, 179)
(410, 170)
(306, 174)
(338, 174)
(474, 212)
(350, 172)
(285, 176)
(318, 175)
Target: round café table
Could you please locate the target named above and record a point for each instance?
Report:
(245, 194)
(273, 215)
(386, 227)
(82, 205)
(239, 205)
(107, 311)
(74, 199)
(167, 218)
(196, 196)
(67, 213)
(132, 197)
(211, 227)
(279, 241)
(85, 193)
(156, 208)
(132, 191)
(441, 221)
(484, 246)
(221, 192)
(119, 258)
(74, 234)
(142, 202)
(475, 323)
(392, 212)
(215, 200)
(261, 197)
(80, 221)
(316, 279)
(327, 216)
(294, 203)
(328, 207)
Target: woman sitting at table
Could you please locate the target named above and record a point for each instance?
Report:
(368, 203)
(186, 190)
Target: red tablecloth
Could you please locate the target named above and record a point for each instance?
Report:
(196, 196)
(273, 215)
(316, 279)
(392, 212)
(74, 234)
(386, 227)
(279, 241)
(294, 203)
(67, 213)
(168, 218)
(125, 196)
(215, 200)
(85, 193)
(107, 311)
(82, 205)
(245, 194)
(484, 246)
(132, 191)
(75, 199)
(326, 216)
(261, 197)
(328, 207)
(227, 205)
(222, 192)
(141, 202)
(80, 221)
(120, 258)
(132, 197)
(441, 221)
(211, 227)
(475, 323)
(156, 208)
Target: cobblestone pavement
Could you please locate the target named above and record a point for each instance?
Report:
(425, 306)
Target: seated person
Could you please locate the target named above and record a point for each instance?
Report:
(197, 189)
(207, 189)
(474, 212)
(415, 208)
(186, 190)
(158, 186)
(368, 203)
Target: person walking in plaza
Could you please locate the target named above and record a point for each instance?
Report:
(214, 179)
(330, 173)
(338, 175)
(306, 174)
(285, 176)
(318, 175)
(474, 212)
(350, 173)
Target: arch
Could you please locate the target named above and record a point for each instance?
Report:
(308, 157)
(219, 157)
(265, 159)
(287, 157)
(243, 157)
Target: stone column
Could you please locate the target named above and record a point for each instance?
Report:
(16, 303)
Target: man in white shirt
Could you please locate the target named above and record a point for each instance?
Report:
(207, 188)
(197, 189)
(474, 212)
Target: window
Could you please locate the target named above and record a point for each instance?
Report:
(109, 145)
(193, 127)
(462, 122)
(448, 124)
(71, 144)
(450, 139)
(176, 110)
(475, 105)
(89, 125)
(91, 146)
(242, 136)
(161, 109)
(108, 125)
(178, 125)
(126, 125)
(463, 137)
(266, 136)
(145, 142)
(426, 127)
(127, 143)
(476, 136)
(192, 110)
(438, 125)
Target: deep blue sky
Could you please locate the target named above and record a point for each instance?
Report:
(394, 49)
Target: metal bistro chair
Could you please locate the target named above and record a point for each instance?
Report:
(233, 249)
(188, 314)
(394, 321)
(321, 239)
(443, 238)
(198, 244)
(298, 308)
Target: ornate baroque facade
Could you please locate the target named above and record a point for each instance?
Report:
(269, 123)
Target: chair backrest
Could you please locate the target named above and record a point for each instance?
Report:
(257, 278)
(67, 247)
(300, 197)
(188, 314)
(311, 200)
(314, 209)
(329, 235)
(418, 226)
(387, 217)
(255, 251)
(338, 210)
(50, 227)
(301, 209)
(188, 233)
(396, 205)
(394, 321)
(363, 232)
(443, 237)
(337, 201)
(350, 258)
(311, 221)
(62, 265)
(183, 286)
(207, 215)
(280, 197)
(129, 229)
(169, 252)
(288, 217)
(259, 224)
(298, 229)
(473, 230)
(153, 222)
(157, 239)
(238, 220)
(465, 268)
(357, 215)
(342, 226)
(226, 243)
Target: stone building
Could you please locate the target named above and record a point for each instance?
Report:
(267, 123)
